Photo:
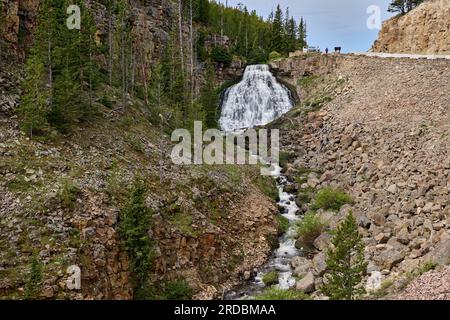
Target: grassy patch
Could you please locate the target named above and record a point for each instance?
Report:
(135, 142)
(309, 228)
(410, 276)
(115, 186)
(283, 224)
(180, 219)
(19, 185)
(308, 81)
(235, 260)
(384, 288)
(183, 222)
(33, 283)
(270, 278)
(279, 294)
(268, 186)
(68, 194)
(331, 199)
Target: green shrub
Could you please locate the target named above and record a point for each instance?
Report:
(268, 186)
(304, 196)
(274, 56)
(425, 267)
(309, 228)
(331, 199)
(135, 142)
(221, 55)
(258, 56)
(168, 290)
(270, 278)
(68, 194)
(106, 101)
(283, 224)
(307, 81)
(178, 290)
(280, 294)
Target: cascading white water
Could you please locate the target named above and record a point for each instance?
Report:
(257, 100)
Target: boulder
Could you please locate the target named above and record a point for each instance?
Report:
(319, 264)
(322, 242)
(306, 284)
(389, 258)
(300, 262)
(377, 218)
(440, 254)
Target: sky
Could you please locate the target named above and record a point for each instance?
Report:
(330, 23)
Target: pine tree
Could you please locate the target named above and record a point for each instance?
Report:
(202, 11)
(291, 34)
(403, 6)
(123, 35)
(33, 107)
(33, 283)
(398, 6)
(156, 91)
(209, 98)
(69, 71)
(302, 33)
(277, 31)
(134, 225)
(345, 262)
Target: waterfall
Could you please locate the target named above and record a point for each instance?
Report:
(257, 100)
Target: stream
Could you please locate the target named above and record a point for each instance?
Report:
(257, 100)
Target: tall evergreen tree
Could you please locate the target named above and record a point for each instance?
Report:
(69, 71)
(291, 35)
(277, 31)
(33, 283)
(34, 103)
(209, 99)
(302, 34)
(345, 262)
(201, 11)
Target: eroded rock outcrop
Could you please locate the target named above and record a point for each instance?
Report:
(424, 30)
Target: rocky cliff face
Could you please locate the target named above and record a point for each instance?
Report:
(424, 30)
(150, 26)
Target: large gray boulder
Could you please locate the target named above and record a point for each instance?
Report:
(306, 284)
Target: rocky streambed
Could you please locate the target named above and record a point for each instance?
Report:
(281, 260)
